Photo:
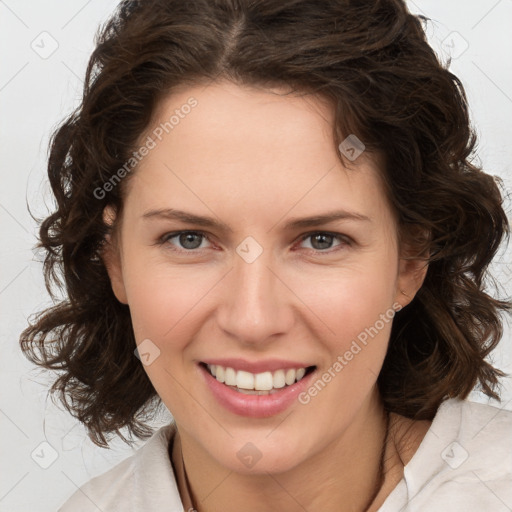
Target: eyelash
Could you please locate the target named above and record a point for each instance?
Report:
(344, 240)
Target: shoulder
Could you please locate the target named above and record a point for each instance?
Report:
(143, 481)
(480, 437)
(465, 459)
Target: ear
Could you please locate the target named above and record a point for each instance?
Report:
(111, 256)
(411, 274)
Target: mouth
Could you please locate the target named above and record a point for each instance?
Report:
(263, 383)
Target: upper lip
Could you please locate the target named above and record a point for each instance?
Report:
(269, 365)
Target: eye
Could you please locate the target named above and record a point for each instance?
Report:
(191, 241)
(321, 240)
(188, 240)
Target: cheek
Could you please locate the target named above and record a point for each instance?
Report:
(350, 300)
(164, 303)
(358, 313)
(162, 296)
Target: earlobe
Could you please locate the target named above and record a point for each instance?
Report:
(413, 264)
(412, 274)
(111, 257)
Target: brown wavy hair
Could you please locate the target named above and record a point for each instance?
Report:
(372, 62)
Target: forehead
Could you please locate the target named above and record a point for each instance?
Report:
(231, 116)
(260, 150)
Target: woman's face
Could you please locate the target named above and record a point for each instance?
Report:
(255, 286)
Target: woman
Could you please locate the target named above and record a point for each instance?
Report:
(267, 220)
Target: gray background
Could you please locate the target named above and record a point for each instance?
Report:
(44, 49)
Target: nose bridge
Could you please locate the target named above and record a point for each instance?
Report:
(255, 305)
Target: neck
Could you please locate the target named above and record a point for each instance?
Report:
(352, 471)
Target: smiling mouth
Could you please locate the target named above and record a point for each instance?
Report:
(265, 383)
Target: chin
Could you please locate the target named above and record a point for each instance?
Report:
(260, 456)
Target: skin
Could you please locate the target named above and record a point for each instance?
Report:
(254, 159)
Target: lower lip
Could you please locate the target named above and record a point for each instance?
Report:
(255, 406)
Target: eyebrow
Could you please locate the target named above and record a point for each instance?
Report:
(291, 224)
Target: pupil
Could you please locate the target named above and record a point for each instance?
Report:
(185, 238)
(324, 243)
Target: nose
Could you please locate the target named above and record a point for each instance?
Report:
(255, 304)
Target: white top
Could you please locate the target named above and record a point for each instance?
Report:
(463, 464)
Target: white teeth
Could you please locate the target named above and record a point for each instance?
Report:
(251, 383)
(263, 381)
(230, 377)
(244, 380)
(254, 392)
(290, 376)
(300, 373)
(279, 380)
